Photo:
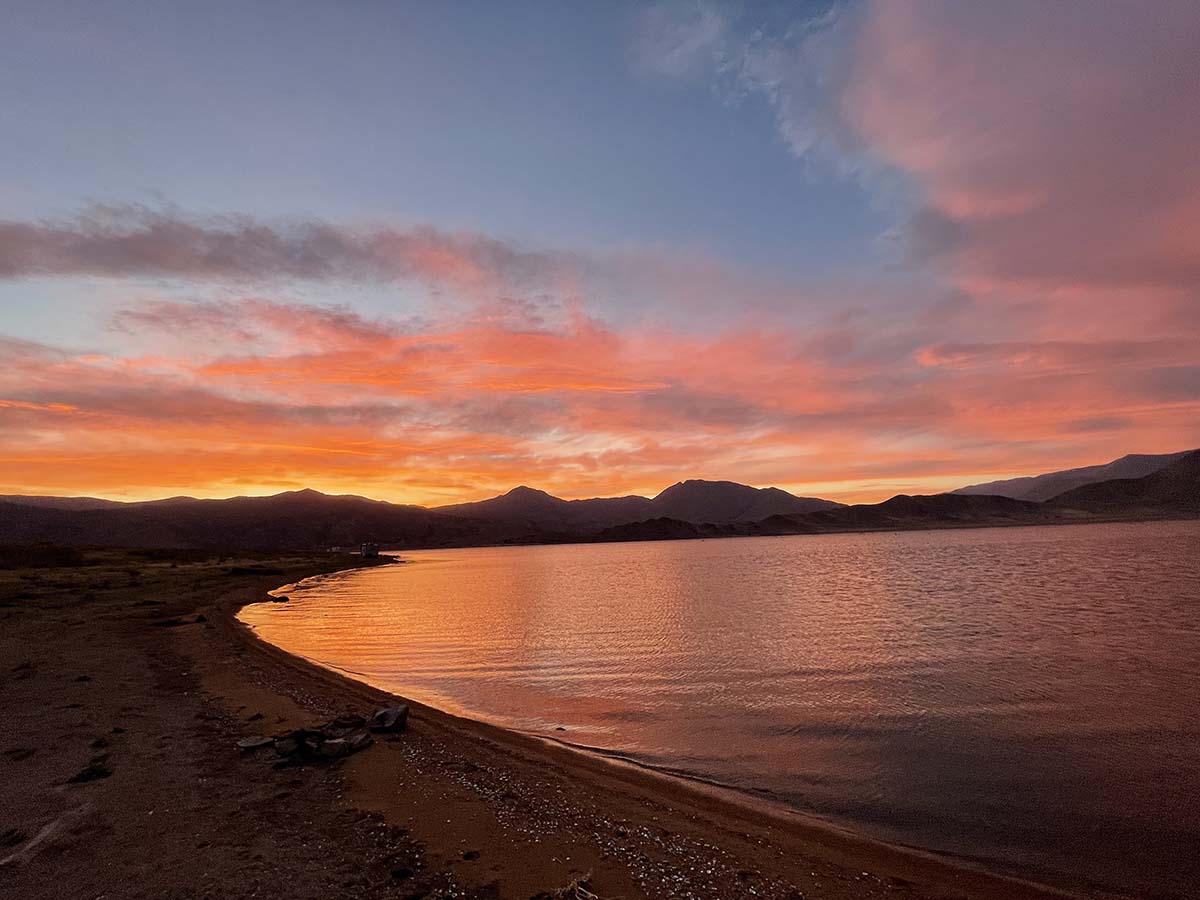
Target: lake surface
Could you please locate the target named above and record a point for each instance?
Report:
(1025, 697)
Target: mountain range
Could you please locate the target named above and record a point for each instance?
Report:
(1042, 487)
(718, 502)
(308, 519)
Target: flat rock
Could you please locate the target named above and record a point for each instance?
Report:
(393, 718)
(255, 743)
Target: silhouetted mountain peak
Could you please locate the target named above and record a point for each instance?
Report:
(705, 484)
(521, 503)
(700, 501)
(527, 492)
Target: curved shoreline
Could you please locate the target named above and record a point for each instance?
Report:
(729, 812)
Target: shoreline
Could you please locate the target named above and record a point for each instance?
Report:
(841, 843)
(831, 532)
(131, 681)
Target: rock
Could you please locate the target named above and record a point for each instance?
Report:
(255, 743)
(282, 598)
(93, 772)
(312, 741)
(288, 745)
(334, 748)
(343, 725)
(394, 718)
(335, 739)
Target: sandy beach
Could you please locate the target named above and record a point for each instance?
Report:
(127, 682)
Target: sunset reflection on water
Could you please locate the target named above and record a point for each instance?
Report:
(1025, 696)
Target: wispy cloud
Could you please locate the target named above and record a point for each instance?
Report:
(277, 394)
(1035, 142)
(136, 241)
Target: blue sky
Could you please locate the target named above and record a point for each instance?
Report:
(531, 121)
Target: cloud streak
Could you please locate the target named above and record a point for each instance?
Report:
(280, 394)
(138, 242)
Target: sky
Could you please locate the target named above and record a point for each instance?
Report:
(428, 251)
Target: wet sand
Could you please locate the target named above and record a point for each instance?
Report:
(125, 685)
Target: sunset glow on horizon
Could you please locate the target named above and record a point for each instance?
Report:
(862, 249)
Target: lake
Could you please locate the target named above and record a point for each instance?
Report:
(1027, 698)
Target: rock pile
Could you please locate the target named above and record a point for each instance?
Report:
(335, 739)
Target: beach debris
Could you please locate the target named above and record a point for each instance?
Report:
(335, 739)
(255, 743)
(577, 889)
(344, 724)
(270, 598)
(392, 718)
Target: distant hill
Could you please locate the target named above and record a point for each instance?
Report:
(724, 502)
(661, 529)
(1172, 490)
(526, 504)
(1043, 487)
(921, 511)
(293, 520)
(900, 513)
(696, 501)
(59, 502)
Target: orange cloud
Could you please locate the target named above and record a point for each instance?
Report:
(279, 395)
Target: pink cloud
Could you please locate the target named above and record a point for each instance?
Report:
(1049, 141)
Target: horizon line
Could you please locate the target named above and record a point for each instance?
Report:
(967, 480)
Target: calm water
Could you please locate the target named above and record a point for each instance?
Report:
(1028, 697)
